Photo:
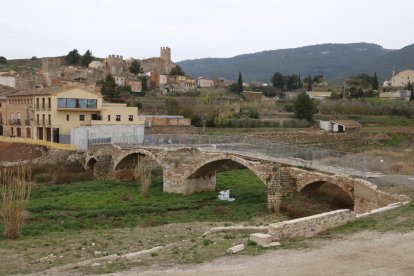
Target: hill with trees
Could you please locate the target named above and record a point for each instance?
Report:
(334, 61)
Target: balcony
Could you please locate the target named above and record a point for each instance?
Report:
(42, 122)
(15, 122)
(27, 122)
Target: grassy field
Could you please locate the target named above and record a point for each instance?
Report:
(109, 204)
(71, 222)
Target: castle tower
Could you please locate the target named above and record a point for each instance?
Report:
(114, 65)
(50, 69)
(165, 60)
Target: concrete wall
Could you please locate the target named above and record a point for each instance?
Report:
(325, 125)
(80, 135)
(8, 81)
(309, 226)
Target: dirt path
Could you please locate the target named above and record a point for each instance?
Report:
(365, 253)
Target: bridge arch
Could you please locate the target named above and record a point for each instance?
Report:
(90, 163)
(129, 158)
(216, 161)
(305, 183)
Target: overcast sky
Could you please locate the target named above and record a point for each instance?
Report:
(196, 28)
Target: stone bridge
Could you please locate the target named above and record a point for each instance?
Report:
(188, 170)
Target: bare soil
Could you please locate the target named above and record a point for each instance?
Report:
(14, 152)
(364, 253)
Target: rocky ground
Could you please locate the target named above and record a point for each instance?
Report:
(363, 253)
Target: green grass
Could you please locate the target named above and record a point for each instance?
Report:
(111, 204)
(395, 141)
(386, 121)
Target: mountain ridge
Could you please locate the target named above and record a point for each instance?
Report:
(333, 60)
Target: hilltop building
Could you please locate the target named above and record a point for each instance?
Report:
(400, 79)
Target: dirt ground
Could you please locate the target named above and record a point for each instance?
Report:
(14, 152)
(364, 253)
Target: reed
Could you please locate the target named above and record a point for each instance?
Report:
(15, 186)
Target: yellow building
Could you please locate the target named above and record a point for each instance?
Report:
(51, 114)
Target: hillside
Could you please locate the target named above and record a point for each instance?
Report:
(334, 61)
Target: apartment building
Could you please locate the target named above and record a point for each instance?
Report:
(50, 114)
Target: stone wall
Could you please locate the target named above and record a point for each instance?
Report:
(310, 226)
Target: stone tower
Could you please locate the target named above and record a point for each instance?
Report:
(165, 60)
(114, 65)
(50, 69)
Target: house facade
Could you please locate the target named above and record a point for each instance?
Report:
(401, 79)
(51, 114)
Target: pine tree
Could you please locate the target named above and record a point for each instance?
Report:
(73, 57)
(144, 84)
(304, 107)
(375, 83)
(310, 83)
(240, 83)
(87, 58)
(278, 81)
(135, 68)
(410, 87)
(109, 89)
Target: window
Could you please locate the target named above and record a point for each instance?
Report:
(67, 117)
(118, 118)
(61, 103)
(48, 103)
(91, 104)
(49, 117)
(83, 103)
(37, 103)
(130, 118)
(81, 117)
(77, 103)
(43, 103)
(71, 103)
(109, 118)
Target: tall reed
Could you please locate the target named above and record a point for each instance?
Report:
(15, 186)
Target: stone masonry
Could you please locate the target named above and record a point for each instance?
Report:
(191, 170)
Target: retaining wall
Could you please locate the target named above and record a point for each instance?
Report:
(310, 226)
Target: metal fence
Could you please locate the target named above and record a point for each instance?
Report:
(316, 158)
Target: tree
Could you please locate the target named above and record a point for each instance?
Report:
(172, 106)
(34, 58)
(3, 60)
(410, 87)
(375, 83)
(304, 107)
(135, 67)
(87, 58)
(310, 83)
(177, 71)
(144, 84)
(278, 81)
(240, 83)
(109, 87)
(292, 82)
(73, 57)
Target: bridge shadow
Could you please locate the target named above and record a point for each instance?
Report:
(315, 198)
(127, 167)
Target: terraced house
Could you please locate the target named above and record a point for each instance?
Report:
(51, 114)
